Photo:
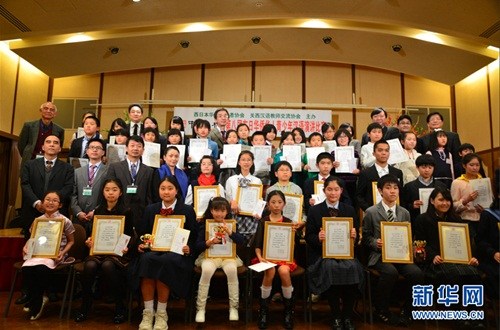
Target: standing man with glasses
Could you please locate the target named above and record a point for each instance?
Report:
(218, 133)
(34, 133)
(135, 113)
(88, 184)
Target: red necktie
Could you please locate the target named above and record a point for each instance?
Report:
(168, 211)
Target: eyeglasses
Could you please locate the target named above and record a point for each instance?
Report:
(48, 200)
(95, 148)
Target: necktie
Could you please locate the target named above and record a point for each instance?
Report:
(136, 128)
(390, 215)
(48, 165)
(168, 211)
(333, 211)
(91, 174)
(133, 171)
(323, 179)
(223, 133)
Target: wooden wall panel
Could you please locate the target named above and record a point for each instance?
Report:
(328, 83)
(376, 87)
(228, 82)
(77, 87)
(495, 102)
(421, 91)
(278, 81)
(8, 68)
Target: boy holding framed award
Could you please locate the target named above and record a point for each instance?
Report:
(387, 210)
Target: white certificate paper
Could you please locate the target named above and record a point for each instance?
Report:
(115, 153)
(47, 237)
(182, 154)
(259, 208)
(338, 243)
(292, 154)
(152, 154)
(261, 154)
(122, 244)
(396, 152)
(423, 195)
(312, 153)
(202, 196)
(454, 242)
(197, 149)
(485, 195)
(278, 242)
(345, 156)
(106, 235)
(261, 266)
(396, 246)
(293, 207)
(164, 231)
(248, 197)
(230, 154)
(180, 239)
(329, 145)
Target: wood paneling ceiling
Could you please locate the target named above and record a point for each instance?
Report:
(443, 40)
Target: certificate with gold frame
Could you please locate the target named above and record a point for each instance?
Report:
(164, 230)
(338, 243)
(293, 207)
(377, 197)
(47, 235)
(202, 196)
(248, 197)
(106, 231)
(318, 187)
(279, 241)
(454, 242)
(227, 248)
(396, 242)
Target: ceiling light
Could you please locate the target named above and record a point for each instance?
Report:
(397, 48)
(136, 0)
(184, 43)
(315, 24)
(197, 27)
(114, 50)
(256, 40)
(79, 37)
(430, 37)
(327, 40)
(493, 48)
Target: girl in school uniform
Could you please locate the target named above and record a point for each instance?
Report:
(113, 267)
(438, 148)
(37, 271)
(165, 272)
(335, 279)
(275, 203)
(219, 210)
(208, 172)
(409, 169)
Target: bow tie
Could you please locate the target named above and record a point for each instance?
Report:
(333, 211)
(243, 182)
(168, 211)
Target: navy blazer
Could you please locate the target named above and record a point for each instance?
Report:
(364, 192)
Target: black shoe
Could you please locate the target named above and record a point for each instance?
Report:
(387, 317)
(119, 317)
(81, 316)
(263, 313)
(337, 325)
(405, 318)
(22, 300)
(348, 325)
(288, 317)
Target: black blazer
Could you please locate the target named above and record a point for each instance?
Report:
(33, 183)
(309, 190)
(364, 193)
(453, 143)
(315, 223)
(388, 132)
(76, 147)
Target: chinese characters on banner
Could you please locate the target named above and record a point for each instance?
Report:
(309, 120)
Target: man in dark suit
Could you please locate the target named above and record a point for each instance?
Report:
(88, 185)
(44, 174)
(135, 177)
(364, 192)
(218, 133)
(379, 116)
(435, 123)
(78, 147)
(34, 133)
(135, 113)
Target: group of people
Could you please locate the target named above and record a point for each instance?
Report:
(51, 188)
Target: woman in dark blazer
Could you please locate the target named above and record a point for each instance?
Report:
(334, 278)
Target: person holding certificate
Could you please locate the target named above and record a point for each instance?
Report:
(439, 148)
(165, 272)
(283, 171)
(207, 176)
(276, 203)
(334, 278)
(37, 271)
(387, 210)
(464, 195)
(219, 210)
(171, 158)
(409, 168)
(259, 139)
(287, 140)
(226, 172)
(113, 267)
(247, 224)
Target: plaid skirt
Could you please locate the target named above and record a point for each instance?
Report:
(327, 272)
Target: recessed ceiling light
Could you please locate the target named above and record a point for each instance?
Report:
(136, 0)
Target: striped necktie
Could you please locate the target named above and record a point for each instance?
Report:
(390, 215)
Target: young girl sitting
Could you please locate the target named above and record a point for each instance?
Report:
(438, 148)
(207, 176)
(162, 272)
(37, 271)
(218, 209)
(113, 267)
(275, 203)
(409, 169)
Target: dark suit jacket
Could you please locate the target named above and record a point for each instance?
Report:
(33, 182)
(80, 203)
(453, 144)
(309, 190)
(136, 202)
(364, 193)
(389, 133)
(29, 136)
(371, 228)
(315, 223)
(216, 136)
(139, 129)
(76, 147)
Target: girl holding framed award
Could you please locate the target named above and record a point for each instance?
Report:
(38, 267)
(207, 174)
(163, 272)
(219, 210)
(334, 278)
(113, 267)
(276, 203)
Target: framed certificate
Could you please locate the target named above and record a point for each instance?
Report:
(293, 207)
(292, 155)
(106, 231)
(423, 195)
(377, 197)
(338, 243)
(227, 249)
(47, 234)
(202, 196)
(485, 194)
(248, 197)
(318, 187)
(279, 240)
(397, 243)
(454, 242)
(164, 231)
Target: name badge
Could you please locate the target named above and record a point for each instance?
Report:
(39, 156)
(132, 189)
(87, 191)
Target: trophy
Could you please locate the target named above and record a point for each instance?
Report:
(419, 251)
(147, 240)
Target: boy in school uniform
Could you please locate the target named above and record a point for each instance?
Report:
(364, 192)
(374, 132)
(91, 126)
(388, 210)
